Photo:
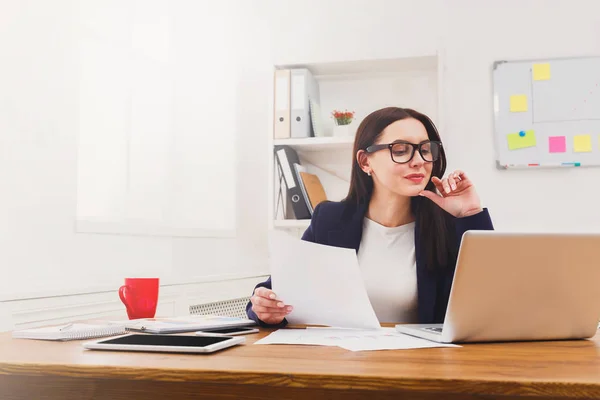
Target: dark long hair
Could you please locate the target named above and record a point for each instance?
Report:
(435, 233)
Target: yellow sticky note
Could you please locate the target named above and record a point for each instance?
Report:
(541, 72)
(521, 140)
(518, 103)
(582, 143)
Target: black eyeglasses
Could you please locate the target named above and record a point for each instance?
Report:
(402, 152)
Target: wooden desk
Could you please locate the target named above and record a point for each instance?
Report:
(64, 370)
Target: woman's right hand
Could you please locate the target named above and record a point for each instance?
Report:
(267, 308)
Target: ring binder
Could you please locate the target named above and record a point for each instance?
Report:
(287, 158)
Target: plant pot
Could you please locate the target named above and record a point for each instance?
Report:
(342, 130)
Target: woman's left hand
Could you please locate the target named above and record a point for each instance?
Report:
(458, 196)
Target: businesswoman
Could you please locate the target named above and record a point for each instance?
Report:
(401, 215)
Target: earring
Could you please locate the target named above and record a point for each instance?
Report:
(369, 173)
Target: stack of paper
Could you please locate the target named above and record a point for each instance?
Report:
(323, 283)
(350, 339)
(325, 286)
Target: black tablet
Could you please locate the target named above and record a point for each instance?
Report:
(165, 343)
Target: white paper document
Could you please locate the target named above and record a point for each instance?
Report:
(322, 283)
(350, 339)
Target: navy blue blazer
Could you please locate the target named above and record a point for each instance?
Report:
(340, 224)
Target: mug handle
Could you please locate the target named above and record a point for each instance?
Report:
(123, 295)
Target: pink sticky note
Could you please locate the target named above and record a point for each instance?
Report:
(558, 144)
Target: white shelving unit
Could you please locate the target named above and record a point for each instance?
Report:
(362, 86)
(292, 223)
(317, 143)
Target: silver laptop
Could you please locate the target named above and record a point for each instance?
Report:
(519, 287)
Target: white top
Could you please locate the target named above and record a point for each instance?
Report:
(387, 261)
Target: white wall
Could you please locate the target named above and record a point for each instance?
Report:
(40, 252)
(471, 35)
(38, 127)
(173, 300)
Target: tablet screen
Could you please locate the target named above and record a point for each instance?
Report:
(166, 340)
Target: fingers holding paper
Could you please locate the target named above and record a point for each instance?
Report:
(267, 307)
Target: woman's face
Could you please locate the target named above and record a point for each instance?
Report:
(406, 179)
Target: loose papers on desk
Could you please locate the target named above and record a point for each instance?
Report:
(322, 283)
(350, 339)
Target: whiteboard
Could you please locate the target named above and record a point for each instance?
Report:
(547, 113)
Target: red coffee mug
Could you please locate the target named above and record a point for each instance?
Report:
(140, 296)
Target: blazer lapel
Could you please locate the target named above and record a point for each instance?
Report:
(349, 231)
(426, 282)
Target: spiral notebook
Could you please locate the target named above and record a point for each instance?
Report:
(76, 331)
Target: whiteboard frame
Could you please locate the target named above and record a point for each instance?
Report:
(496, 109)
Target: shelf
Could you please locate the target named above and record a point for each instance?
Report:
(317, 143)
(328, 70)
(291, 223)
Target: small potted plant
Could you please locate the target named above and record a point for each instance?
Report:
(342, 121)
